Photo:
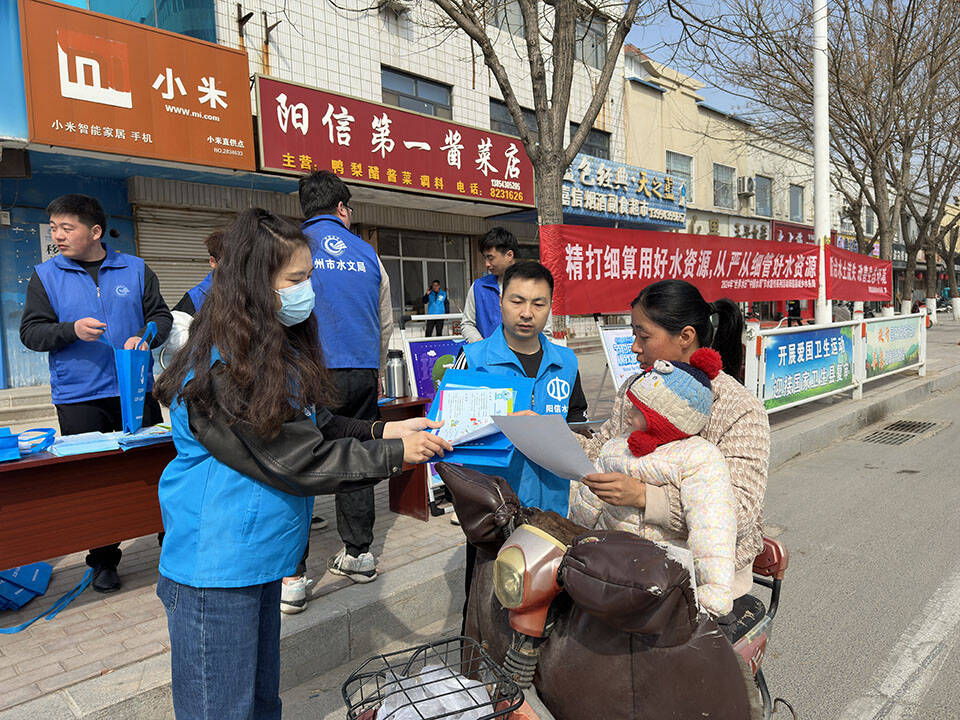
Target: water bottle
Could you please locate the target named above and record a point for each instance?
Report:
(396, 382)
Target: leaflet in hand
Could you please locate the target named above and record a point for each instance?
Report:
(466, 412)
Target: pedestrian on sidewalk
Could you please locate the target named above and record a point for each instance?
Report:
(354, 318)
(254, 444)
(81, 305)
(671, 321)
(437, 303)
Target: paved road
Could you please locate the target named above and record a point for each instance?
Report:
(870, 616)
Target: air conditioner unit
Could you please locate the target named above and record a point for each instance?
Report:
(745, 185)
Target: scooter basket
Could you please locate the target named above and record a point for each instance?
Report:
(457, 669)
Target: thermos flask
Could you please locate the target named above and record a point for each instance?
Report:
(396, 382)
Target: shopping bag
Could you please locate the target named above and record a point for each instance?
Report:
(133, 368)
(14, 446)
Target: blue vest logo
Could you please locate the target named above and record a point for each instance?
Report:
(558, 389)
(334, 245)
(122, 290)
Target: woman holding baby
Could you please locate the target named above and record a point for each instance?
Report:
(661, 479)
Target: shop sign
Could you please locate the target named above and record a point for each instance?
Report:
(98, 83)
(614, 191)
(745, 227)
(791, 232)
(892, 345)
(13, 109)
(805, 364)
(600, 270)
(704, 223)
(303, 129)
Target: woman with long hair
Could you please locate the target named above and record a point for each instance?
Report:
(254, 445)
(671, 320)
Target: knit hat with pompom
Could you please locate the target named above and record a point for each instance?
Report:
(675, 399)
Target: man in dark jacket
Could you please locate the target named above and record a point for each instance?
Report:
(88, 294)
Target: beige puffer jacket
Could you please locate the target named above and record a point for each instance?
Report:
(738, 426)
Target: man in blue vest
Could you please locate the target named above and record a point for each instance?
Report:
(481, 309)
(355, 321)
(88, 293)
(519, 347)
(437, 302)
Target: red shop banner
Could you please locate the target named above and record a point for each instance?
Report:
(601, 270)
(303, 129)
(852, 276)
(791, 232)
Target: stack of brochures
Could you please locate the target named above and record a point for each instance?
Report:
(466, 401)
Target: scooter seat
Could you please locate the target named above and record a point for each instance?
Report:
(747, 612)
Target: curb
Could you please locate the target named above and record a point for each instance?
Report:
(816, 432)
(350, 625)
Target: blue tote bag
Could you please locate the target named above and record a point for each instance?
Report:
(133, 371)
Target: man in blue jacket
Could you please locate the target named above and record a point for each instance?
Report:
(355, 320)
(88, 293)
(437, 302)
(519, 347)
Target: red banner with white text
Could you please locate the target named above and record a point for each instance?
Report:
(600, 270)
(852, 276)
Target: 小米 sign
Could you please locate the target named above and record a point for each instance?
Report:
(303, 129)
(615, 191)
(95, 82)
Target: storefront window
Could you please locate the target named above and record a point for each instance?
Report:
(415, 259)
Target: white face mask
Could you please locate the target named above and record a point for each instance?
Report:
(296, 303)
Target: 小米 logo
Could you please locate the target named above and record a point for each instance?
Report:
(334, 245)
(93, 69)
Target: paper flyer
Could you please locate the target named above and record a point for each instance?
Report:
(466, 412)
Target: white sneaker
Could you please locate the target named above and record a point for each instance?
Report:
(362, 569)
(293, 595)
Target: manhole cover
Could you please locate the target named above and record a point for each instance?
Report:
(884, 437)
(910, 426)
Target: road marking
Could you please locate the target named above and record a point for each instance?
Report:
(900, 683)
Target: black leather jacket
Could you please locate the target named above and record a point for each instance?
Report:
(306, 458)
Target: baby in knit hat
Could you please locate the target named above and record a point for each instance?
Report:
(671, 404)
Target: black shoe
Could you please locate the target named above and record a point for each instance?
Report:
(105, 579)
(318, 523)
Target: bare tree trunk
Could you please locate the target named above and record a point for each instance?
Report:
(951, 247)
(549, 208)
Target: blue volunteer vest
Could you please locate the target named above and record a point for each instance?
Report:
(486, 296)
(346, 282)
(224, 529)
(198, 293)
(552, 389)
(84, 371)
(437, 303)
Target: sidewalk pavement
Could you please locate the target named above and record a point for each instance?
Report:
(106, 656)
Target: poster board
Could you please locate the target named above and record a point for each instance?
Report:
(617, 341)
(806, 364)
(427, 360)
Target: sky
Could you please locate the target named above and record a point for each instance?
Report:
(657, 40)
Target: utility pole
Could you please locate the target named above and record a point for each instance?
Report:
(821, 155)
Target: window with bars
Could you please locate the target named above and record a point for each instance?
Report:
(724, 186)
(413, 260)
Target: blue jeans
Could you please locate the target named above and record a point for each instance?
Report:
(225, 650)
